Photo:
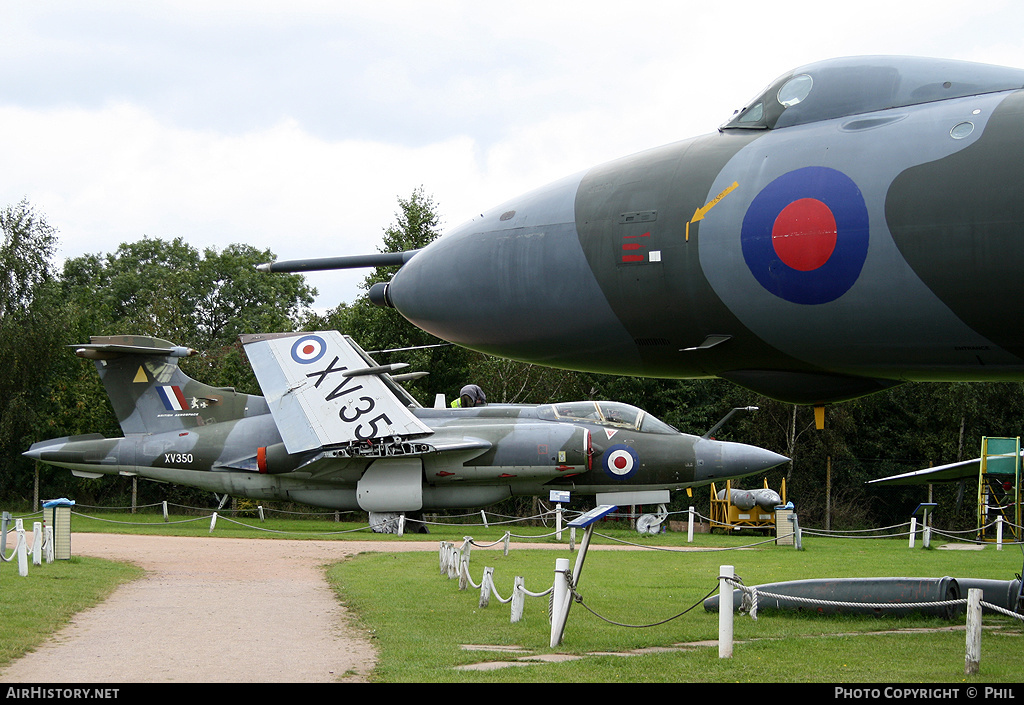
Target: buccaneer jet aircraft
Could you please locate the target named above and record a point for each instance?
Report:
(337, 430)
(856, 225)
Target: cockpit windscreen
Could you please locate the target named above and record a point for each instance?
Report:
(854, 86)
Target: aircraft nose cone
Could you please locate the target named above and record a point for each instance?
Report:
(527, 298)
(722, 460)
(517, 283)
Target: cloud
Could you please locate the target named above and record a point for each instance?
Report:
(296, 126)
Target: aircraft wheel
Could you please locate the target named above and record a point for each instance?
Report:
(648, 524)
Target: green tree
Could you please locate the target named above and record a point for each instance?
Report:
(204, 300)
(32, 334)
(416, 225)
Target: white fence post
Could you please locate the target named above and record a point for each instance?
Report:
(443, 557)
(213, 522)
(972, 660)
(689, 527)
(518, 599)
(725, 608)
(37, 543)
(165, 511)
(49, 544)
(913, 530)
(999, 532)
(560, 601)
(485, 586)
(463, 572)
(22, 548)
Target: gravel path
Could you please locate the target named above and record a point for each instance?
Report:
(211, 610)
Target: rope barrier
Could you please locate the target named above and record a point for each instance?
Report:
(454, 562)
(751, 596)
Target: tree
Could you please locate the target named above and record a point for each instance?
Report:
(169, 290)
(32, 333)
(416, 225)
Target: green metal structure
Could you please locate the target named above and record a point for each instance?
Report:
(999, 487)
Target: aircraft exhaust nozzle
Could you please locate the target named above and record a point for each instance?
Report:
(380, 296)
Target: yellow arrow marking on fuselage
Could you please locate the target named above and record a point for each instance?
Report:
(699, 214)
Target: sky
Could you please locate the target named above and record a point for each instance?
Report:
(296, 126)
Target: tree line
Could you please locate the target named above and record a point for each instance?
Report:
(205, 299)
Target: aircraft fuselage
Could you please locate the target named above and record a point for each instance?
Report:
(810, 256)
(473, 457)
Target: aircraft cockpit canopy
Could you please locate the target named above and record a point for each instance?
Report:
(605, 413)
(853, 86)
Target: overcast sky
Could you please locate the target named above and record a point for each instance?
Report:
(296, 126)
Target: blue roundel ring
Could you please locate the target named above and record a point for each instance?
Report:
(831, 279)
(308, 349)
(620, 462)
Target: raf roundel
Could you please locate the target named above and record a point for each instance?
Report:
(620, 462)
(805, 235)
(308, 349)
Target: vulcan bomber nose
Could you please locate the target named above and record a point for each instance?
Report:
(514, 282)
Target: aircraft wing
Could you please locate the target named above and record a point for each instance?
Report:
(322, 393)
(966, 469)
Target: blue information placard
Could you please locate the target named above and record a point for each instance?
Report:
(599, 512)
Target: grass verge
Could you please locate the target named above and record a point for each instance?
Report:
(34, 606)
(420, 620)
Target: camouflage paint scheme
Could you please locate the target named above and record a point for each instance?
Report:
(181, 431)
(857, 225)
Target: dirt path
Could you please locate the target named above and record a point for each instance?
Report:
(211, 610)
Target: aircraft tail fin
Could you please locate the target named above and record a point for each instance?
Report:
(324, 391)
(150, 393)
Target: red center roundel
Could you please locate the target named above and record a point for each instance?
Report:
(308, 349)
(620, 462)
(804, 234)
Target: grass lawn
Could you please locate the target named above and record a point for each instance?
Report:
(420, 620)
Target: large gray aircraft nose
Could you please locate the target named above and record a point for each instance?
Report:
(723, 460)
(528, 298)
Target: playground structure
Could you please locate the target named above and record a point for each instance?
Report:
(999, 497)
(735, 509)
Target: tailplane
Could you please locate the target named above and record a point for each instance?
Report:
(150, 393)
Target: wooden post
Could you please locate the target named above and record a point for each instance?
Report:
(518, 599)
(828, 493)
(972, 661)
(485, 586)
